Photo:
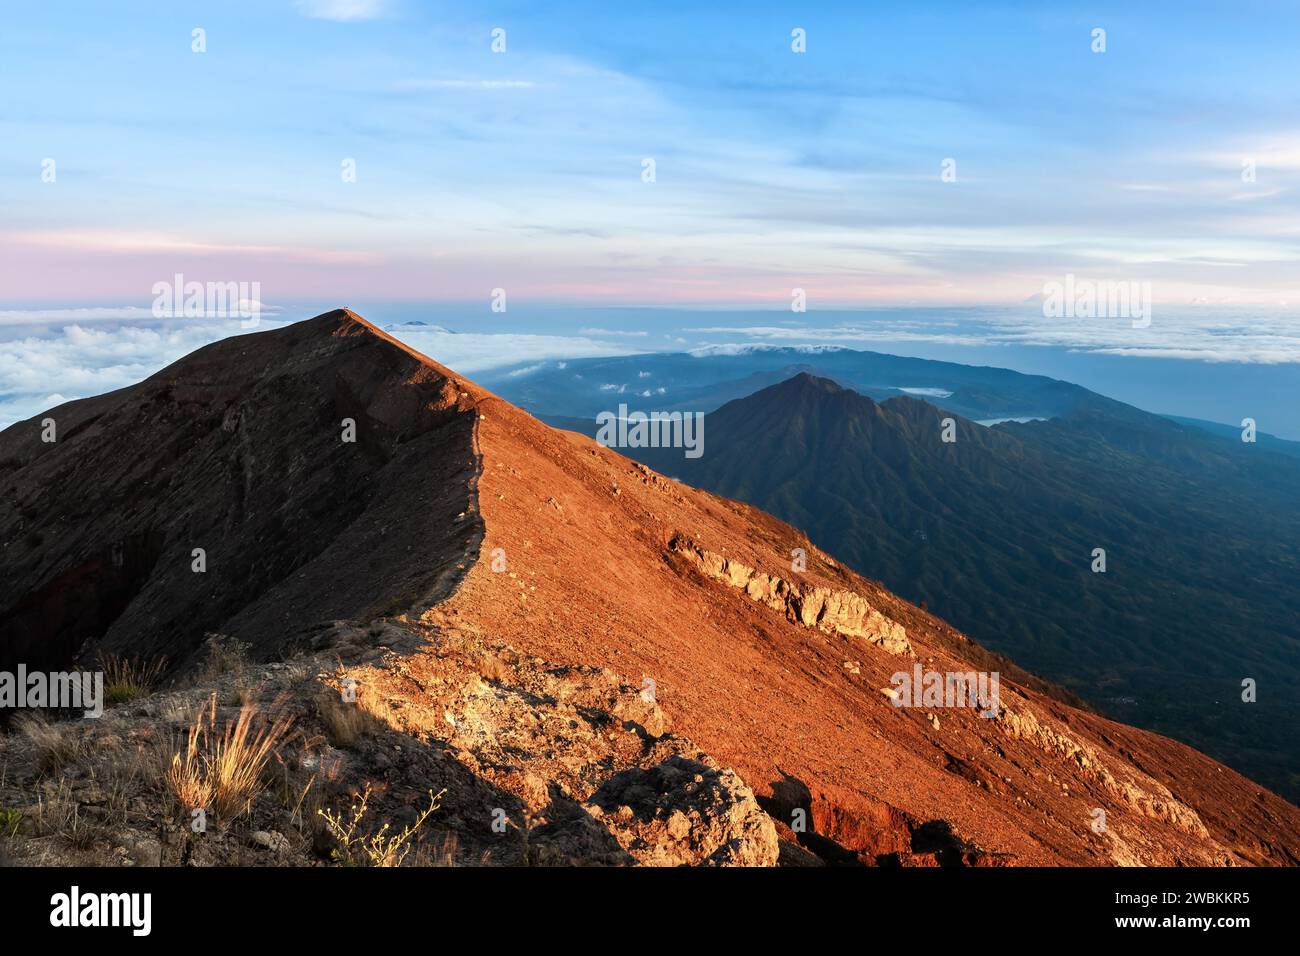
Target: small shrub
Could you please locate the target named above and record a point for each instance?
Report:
(490, 667)
(10, 820)
(378, 849)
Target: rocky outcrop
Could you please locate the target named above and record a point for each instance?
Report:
(1150, 798)
(686, 811)
(598, 775)
(841, 612)
(534, 763)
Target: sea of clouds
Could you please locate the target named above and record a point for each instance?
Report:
(48, 356)
(1256, 336)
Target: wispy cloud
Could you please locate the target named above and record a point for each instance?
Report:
(131, 241)
(96, 313)
(526, 170)
(635, 334)
(343, 11)
(417, 86)
(472, 352)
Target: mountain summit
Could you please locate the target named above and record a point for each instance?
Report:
(235, 460)
(503, 572)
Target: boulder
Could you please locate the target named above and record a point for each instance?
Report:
(685, 811)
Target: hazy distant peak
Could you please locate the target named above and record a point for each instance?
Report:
(807, 380)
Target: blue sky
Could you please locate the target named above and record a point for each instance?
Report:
(774, 170)
(523, 170)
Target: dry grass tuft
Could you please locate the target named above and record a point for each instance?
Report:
(345, 722)
(55, 745)
(59, 813)
(225, 655)
(223, 770)
(115, 783)
(129, 678)
(444, 854)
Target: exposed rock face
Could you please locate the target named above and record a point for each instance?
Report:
(1148, 797)
(842, 612)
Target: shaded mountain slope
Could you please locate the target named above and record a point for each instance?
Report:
(997, 530)
(237, 450)
(589, 559)
(1280, 446)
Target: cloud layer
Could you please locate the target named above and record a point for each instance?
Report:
(48, 356)
(1206, 334)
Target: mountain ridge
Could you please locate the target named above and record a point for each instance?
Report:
(581, 563)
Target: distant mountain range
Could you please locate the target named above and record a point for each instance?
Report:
(707, 378)
(997, 530)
